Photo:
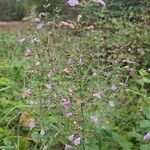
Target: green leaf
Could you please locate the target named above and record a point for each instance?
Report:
(143, 73)
(122, 141)
(143, 80)
(7, 147)
(140, 81)
(22, 144)
(145, 124)
(147, 113)
(91, 146)
(4, 82)
(145, 147)
(134, 134)
(35, 137)
(106, 132)
(146, 80)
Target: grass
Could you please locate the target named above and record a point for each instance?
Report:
(113, 54)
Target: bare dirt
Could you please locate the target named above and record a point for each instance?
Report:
(8, 26)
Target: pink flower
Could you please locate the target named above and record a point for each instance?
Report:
(66, 104)
(113, 88)
(26, 93)
(69, 62)
(94, 119)
(99, 2)
(73, 2)
(40, 26)
(31, 124)
(97, 95)
(75, 141)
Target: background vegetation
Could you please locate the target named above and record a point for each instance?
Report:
(16, 9)
(54, 81)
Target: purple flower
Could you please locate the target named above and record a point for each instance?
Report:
(147, 137)
(69, 62)
(31, 124)
(73, 2)
(94, 119)
(66, 104)
(76, 141)
(40, 26)
(99, 2)
(97, 95)
(113, 88)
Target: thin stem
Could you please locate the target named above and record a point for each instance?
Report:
(81, 95)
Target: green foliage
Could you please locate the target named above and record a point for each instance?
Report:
(112, 54)
(17, 9)
(11, 10)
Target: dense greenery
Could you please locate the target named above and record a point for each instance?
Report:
(17, 9)
(85, 88)
(12, 10)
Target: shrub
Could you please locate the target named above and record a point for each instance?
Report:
(12, 10)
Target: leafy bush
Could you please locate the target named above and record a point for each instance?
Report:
(13, 9)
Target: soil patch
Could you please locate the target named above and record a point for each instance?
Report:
(6, 26)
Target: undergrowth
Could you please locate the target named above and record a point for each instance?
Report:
(75, 88)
